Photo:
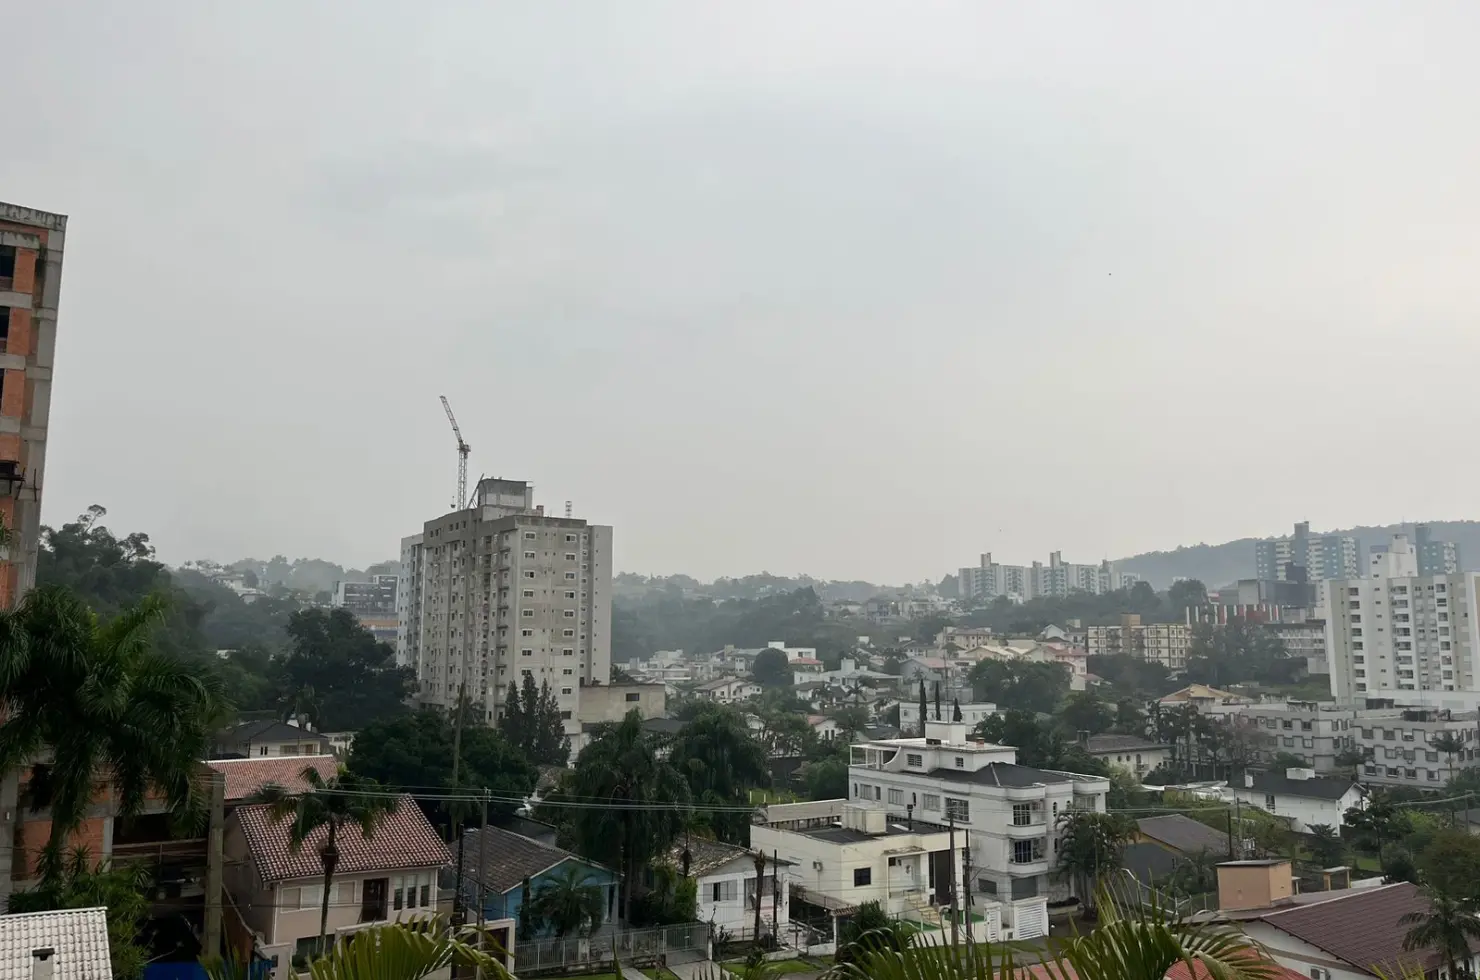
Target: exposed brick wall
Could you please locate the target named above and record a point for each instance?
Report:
(20, 336)
(24, 280)
(13, 398)
(31, 836)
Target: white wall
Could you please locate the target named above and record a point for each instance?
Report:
(1303, 811)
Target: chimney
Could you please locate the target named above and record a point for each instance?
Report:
(43, 963)
(1254, 884)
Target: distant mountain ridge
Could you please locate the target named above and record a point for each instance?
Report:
(1222, 564)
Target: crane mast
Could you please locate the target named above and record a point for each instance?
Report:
(463, 449)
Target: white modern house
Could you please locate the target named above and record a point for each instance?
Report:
(972, 714)
(728, 689)
(1301, 796)
(725, 876)
(907, 796)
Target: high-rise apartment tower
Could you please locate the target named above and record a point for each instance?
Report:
(501, 590)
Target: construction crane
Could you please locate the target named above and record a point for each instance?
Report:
(463, 449)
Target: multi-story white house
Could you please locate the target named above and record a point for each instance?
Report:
(1009, 813)
(1400, 750)
(1300, 796)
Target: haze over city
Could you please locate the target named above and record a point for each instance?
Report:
(855, 289)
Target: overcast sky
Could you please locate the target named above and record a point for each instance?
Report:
(853, 288)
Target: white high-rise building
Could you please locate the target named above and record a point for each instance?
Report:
(501, 590)
(990, 579)
(1396, 630)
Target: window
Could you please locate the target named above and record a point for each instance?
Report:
(1022, 814)
(960, 810)
(914, 760)
(862, 877)
(528, 535)
(569, 556)
(565, 690)
(527, 613)
(1027, 851)
(570, 614)
(567, 632)
(528, 593)
(526, 632)
(632, 697)
(896, 797)
(529, 554)
(1433, 776)
(570, 539)
(570, 576)
(570, 595)
(529, 574)
(526, 652)
(960, 762)
(724, 891)
(567, 651)
(931, 802)
(1269, 802)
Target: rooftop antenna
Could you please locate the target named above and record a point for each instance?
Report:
(463, 449)
(567, 508)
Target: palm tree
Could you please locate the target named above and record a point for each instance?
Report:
(1446, 928)
(569, 901)
(721, 762)
(647, 801)
(1131, 942)
(105, 704)
(410, 950)
(1449, 743)
(1091, 850)
(344, 800)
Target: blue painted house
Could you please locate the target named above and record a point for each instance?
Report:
(510, 863)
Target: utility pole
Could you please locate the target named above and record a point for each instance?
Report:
(955, 920)
(457, 726)
(482, 878)
(966, 880)
(1238, 825)
(776, 893)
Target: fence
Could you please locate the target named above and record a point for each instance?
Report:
(566, 955)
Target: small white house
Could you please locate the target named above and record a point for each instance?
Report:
(726, 879)
(1302, 796)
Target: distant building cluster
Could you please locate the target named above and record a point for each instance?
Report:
(990, 579)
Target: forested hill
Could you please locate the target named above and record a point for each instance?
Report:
(1220, 564)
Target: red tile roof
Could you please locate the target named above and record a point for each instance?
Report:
(403, 840)
(245, 776)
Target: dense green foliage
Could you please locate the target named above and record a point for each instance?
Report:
(646, 797)
(413, 751)
(721, 763)
(771, 669)
(1022, 684)
(103, 699)
(1091, 849)
(531, 723)
(1240, 651)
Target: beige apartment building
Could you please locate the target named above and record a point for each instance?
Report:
(30, 288)
(501, 590)
(1169, 644)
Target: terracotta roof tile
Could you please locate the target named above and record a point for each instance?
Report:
(404, 839)
(245, 776)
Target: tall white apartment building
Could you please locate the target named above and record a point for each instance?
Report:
(990, 579)
(408, 607)
(501, 590)
(1396, 630)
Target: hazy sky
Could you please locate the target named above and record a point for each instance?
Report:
(853, 288)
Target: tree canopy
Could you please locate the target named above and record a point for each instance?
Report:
(1023, 684)
(771, 669)
(531, 722)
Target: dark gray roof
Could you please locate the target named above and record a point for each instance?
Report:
(1184, 834)
(1001, 774)
(270, 730)
(1319, 788)
(844, 835)
(1122, 743)
(509, 858)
